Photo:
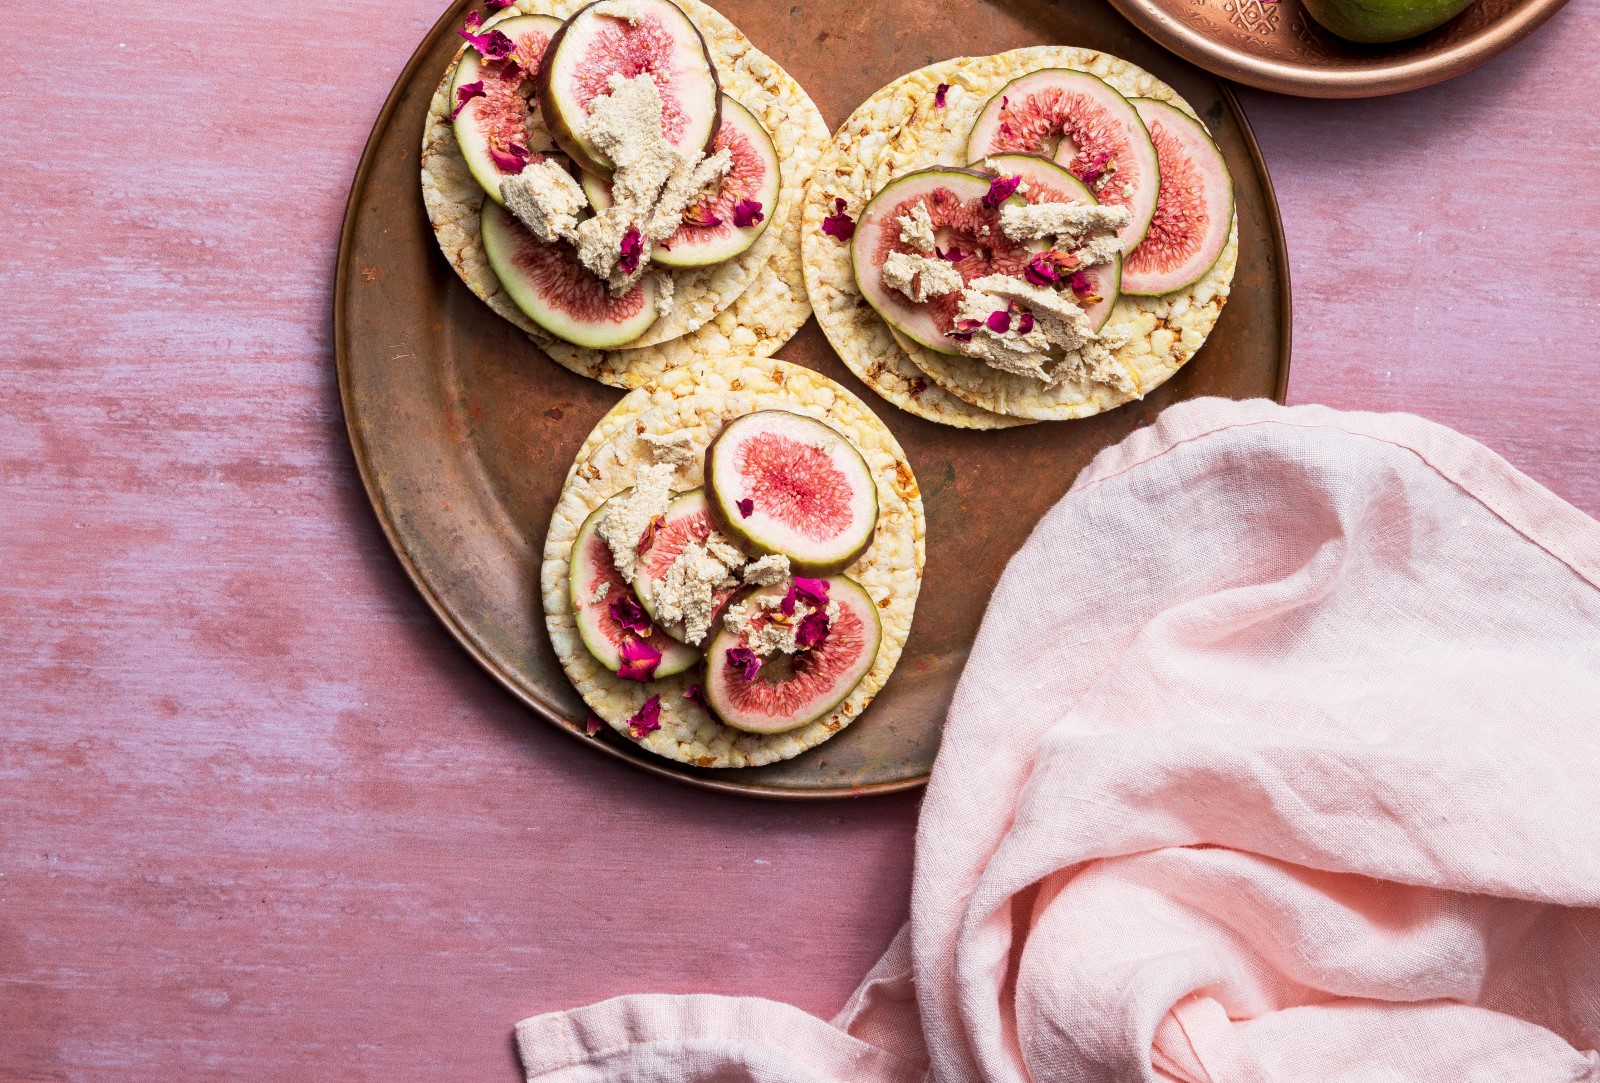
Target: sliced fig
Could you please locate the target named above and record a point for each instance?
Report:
(629, 38)
(1083, 124)
(961, 223)
(791, 691)
(546, 281)
(687, 520)
(591, 569)
(1047, 182)
(503, 121)
(784, 483)
(1194, 212)
(710, 233)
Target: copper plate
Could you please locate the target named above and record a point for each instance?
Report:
(1276, 45)
(463, 431)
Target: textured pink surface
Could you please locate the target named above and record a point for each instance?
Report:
(257, 813)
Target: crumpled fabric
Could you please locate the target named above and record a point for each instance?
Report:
(1274, 760)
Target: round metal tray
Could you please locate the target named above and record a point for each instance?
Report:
(463, 430)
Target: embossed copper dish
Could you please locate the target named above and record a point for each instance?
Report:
(1276, 45)
(463, 431)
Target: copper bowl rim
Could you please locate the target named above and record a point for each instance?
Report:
(1369, 79)
(384, 514)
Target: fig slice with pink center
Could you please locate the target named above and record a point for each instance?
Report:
(1083, 124)
(710, 232)
(629, 38)
(687, 519)
(546, 281)
(790, 691)
(1194, 211)
(592, 568)
(500, 126)
(954, 199)
(811, 494)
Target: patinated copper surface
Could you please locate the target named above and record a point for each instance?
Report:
(463, 430)
(1276, 45)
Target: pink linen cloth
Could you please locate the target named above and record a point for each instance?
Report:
(1273, 760)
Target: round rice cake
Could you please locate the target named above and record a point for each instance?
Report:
(751, 304)
(900, 129)
(699, 399)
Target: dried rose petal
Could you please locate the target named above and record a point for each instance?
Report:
(918, 386)
(498, 5)
(493, 46)
(700, 216)
(1025, 323)
(648, 538)
(631, 615)
(813, 630)
(814, 591)
(464, 94)
(969, 325)
(745, 662)
(632, 250)
(593, 724)
(747, 213)
(746, 507)
(513, 159)
(839, 225)
(1081, 284)
(1000, 190)
(999, 321)
(511, 71)
(647, 719)
(639, 660)
(1041, 271)
(938, 95)
(952, 255)
(697, 696)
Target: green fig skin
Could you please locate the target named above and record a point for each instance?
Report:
(1377, 22)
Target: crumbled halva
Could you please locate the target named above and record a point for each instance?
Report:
(687, 593)
(919, 277)
(546, 199)
(916, 229)
(623, 526)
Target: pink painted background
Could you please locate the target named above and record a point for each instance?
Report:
(259, 818)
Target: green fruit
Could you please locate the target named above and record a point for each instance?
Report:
(1383, 20)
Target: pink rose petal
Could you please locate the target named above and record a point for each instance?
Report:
(1041, 271)
(639, 660)
(953, 254)
(647, 719)
(632, 250)
(1025, 323)
(631, 615)
(839, 225)
(813, 630)
(593, 724)
(697, 696)
(999, 321)
(938, 95)
(464, 94)
(746, 507)
(513, 159)
(1000, 190)
(747, 213)
(1081, 284)
(745, 662)
(498, 5)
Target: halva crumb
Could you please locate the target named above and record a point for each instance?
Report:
(919, 277)
(624, 524)
(546, 199)
(916, 229)
(687, 593)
